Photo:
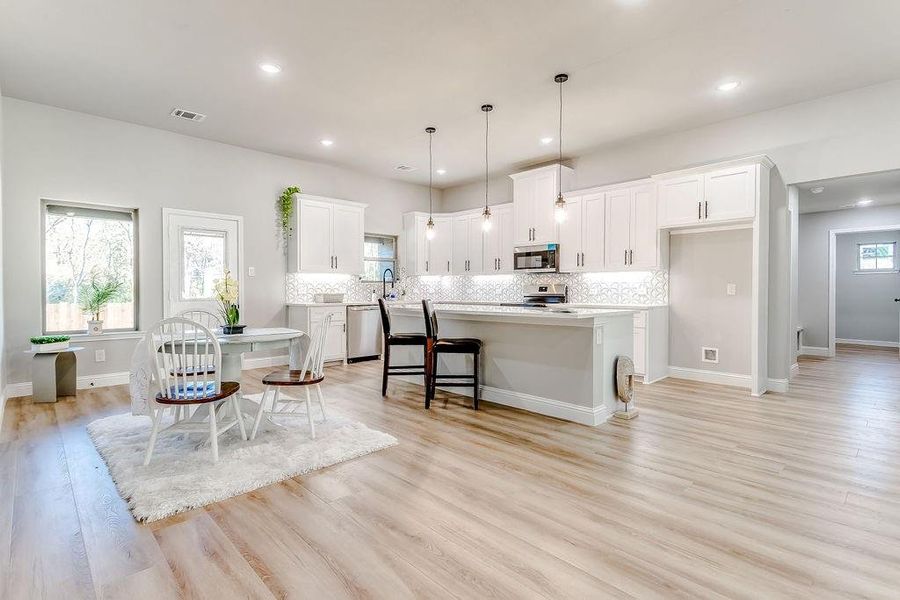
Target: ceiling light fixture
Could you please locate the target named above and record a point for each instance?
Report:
(441, 171)
(864, 202)
(817, 190)
(429, 226)
(728, 86)
(559, 211)
(486, 214)
(546, 140)
(326, 142)
(270, 68)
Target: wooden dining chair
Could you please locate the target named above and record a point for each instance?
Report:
(187, 364)
(309, 376)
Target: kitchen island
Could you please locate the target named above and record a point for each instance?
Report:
(556, 361)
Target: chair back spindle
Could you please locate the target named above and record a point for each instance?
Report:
(206, 318)
(187, 359)
(314, 364)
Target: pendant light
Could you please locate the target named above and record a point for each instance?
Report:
(429, 227)
(486, 215)
(559, 211)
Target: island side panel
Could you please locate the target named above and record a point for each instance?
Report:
(616, 338)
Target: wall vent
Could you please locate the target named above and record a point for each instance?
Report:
(709, 355)
(180, 113)
(404, 168)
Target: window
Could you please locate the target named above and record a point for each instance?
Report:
(204, 262)
(873, 258)
(379, 253)
(88, 246)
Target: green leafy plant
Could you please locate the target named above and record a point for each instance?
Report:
(49, 339)
(286, 209)
(98, 296)
(227, 294)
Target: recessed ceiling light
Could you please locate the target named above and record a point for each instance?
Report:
(326, 142)
(728, 86)
(270, 68)
(546, 140)
(817, 190)
(441, 171)
(864, 202)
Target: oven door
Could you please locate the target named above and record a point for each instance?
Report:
(536, 259)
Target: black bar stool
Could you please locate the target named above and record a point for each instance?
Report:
(399, 339)
(436, 346)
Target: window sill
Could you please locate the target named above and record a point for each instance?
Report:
(107, 337)
(878, 272)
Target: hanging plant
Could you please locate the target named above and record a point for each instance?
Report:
(286, 210)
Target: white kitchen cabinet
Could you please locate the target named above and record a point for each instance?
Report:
(468, 244)
(571, 237)
(421, 256)
(534, 196)
(639, 357)
(717, 195)
(581, 235)
(499, 242)
(326, 236)
(309, 318)
(632, 236)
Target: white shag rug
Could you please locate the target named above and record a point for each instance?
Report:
(182, 476)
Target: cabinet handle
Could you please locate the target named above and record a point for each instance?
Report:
(582, 259)
(699, 210)
(448, 266)
(626, 256)
(426, 266)
(705, 209)
(631, 257)
(335, 262)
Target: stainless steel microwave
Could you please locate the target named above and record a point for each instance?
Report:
(537, 259)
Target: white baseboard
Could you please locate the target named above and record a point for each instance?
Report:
(777, 385)
(814, 351)
(876, 343)
(83, 382)
(543, 406)
(704, 376)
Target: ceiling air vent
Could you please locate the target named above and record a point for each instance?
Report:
(404, 168)
(180, 113)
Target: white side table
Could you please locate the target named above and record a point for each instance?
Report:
(53, 374)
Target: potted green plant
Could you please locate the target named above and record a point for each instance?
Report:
(96, 300)
(227, 294)
(286, 211)
(49, 343)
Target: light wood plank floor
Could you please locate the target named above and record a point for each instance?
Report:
(708, 494)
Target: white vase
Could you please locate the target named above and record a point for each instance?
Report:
(95, 327)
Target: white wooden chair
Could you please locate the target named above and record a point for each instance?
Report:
(310, 376)
(208, 319)
(187, 364)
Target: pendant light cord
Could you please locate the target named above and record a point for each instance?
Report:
(486, 129)
(430, 173)
(559, 164)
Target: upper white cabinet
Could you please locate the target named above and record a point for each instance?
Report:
(327, 236)
(498, 241)
(581, 234)
(468, 244)
(534, 195)
(715, 194)
(421, 256)
(632, 235)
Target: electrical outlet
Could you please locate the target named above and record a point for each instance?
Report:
(99, 355)
(251, 272)
(731, 289)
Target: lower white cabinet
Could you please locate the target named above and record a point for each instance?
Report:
(651, 343)
(308, 318)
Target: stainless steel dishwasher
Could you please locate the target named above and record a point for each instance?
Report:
(363, 332)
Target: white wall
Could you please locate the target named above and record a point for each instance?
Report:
(864, 302)
(813, 262)
(701, 314)
(3, 360)
(54, 153)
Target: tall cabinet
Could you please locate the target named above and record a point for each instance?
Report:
(326, 236)
(632, 234)
(421, 256)
(534, 196)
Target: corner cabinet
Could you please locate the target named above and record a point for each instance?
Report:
(421, 256)
(326, 236)
(534, 196)
(716, 194)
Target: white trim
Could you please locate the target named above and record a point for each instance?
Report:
(704, 376)
(549, 407)
(758, 159)
(876, 343)
(264, 361)
(795, 370)
(832, 274)
(814, 351)
(331, 200)
(778, 385)
(107, 336)
(708, 229)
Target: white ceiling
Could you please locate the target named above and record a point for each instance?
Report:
(372, 75)
(844, 192)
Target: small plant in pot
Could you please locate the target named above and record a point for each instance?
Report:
(227, 294)
(98, 296)
(49, 343)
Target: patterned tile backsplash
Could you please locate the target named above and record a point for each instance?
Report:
(629, 288)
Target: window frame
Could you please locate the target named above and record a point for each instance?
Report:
(861, 271)
(394, 260)
(135, 266)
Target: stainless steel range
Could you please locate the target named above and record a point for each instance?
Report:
(542, 296)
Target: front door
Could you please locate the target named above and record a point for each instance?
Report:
(197, 250)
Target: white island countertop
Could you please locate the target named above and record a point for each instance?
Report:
(556, 315)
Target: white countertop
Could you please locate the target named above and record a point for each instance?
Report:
(562, 312)
(312, 304)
